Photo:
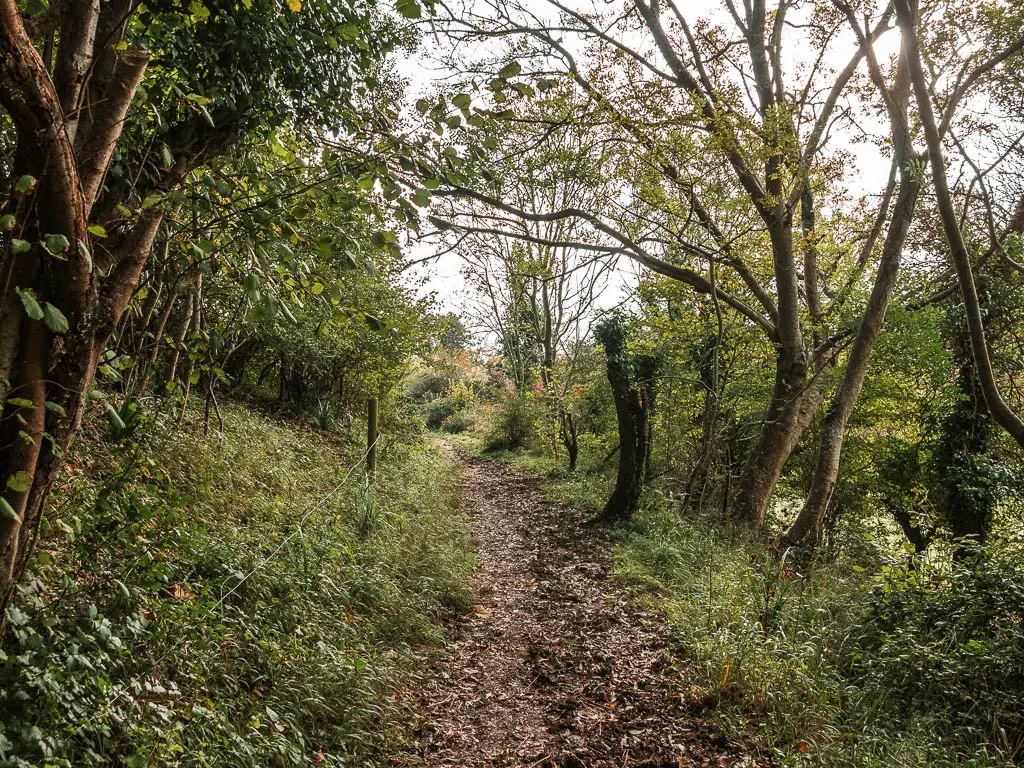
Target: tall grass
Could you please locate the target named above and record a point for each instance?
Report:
(774, 647)
(139, 643)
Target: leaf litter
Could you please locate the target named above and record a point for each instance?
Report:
(555, 666)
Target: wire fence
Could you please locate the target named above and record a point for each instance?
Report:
(126, 687)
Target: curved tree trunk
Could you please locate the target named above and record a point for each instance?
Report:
(1001, 411)
(790, 414)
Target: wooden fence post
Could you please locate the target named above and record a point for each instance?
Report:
(371, 438)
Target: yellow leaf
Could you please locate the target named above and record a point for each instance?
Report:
(294, 5)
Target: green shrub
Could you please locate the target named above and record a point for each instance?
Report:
(514, 424)
(948, 645)
(458, 422)
(427, 384)
(437, 411)
(818, 668)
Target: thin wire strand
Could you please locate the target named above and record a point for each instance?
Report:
(313, 507)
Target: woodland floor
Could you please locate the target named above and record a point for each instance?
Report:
(555, 666)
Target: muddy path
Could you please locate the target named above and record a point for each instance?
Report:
(554, 666)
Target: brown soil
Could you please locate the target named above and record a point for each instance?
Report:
(555, 666)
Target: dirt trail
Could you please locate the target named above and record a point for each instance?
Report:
(554, 666)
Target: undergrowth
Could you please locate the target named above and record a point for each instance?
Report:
(818, 666)
(208, 602)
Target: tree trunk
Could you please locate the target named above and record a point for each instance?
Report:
(83, 289)
(157, 342)
(631, 416)
(967, 485)
(1001, 411)
(179, 338)
(792, 409)
(808, 527)
(570, 438)
(795, 398)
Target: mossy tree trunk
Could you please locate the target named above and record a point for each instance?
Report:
(633, 417)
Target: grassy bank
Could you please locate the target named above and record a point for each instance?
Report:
(231, 599)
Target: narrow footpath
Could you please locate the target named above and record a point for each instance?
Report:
(554, 666)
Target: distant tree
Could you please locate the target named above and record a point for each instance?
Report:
(452, 333)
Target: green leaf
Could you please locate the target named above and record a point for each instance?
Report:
(7, 222)
(166, 156)
(115, 418)
(510, 70)
(20, 402)
(24, 185)
(20, 246)
(31, 304)
(422, 106)
(462, 100)
(19, 482)
(441, 224)
(8, 511)
(54, 318)
(97, 231)
(374, 323)
(55, 245)
(83, 251)
(202, 108)
(252, 287)
(56, 408)
(409, 8)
